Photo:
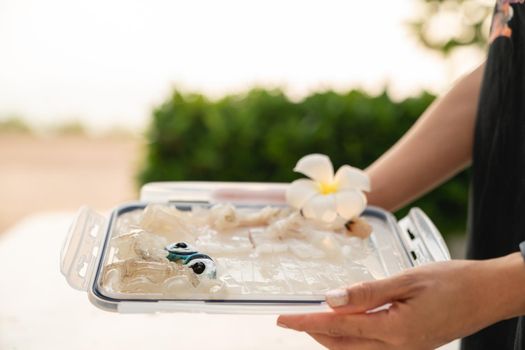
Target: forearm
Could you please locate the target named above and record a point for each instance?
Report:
(438, 146)
(505, 281)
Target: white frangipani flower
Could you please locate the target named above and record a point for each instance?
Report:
(326, 196)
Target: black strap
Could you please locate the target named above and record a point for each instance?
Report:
(522, 249)
(520, 329)
(518, 340)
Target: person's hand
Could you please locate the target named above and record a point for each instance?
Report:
(430, 306)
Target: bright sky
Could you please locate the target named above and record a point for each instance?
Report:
(108, 62)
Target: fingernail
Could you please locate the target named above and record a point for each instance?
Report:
(337, 297)
(282, 325)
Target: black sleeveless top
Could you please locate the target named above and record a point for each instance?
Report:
(497, 206)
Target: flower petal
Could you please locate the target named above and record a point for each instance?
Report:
(350, 203)
(348, 177)
(320, 207)
(299, 191)
(318, 167)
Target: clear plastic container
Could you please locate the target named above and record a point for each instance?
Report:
(393, 246)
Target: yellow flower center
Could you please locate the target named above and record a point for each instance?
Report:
(327, 188)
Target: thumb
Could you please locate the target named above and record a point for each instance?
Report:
(366, 296)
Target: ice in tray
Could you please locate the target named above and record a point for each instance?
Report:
(226, 252)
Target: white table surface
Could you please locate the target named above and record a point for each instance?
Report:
(38, 309)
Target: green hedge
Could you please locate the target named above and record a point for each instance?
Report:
(260, 135)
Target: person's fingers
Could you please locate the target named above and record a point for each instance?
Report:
(368, 326)
(366, 296)
(336, 343)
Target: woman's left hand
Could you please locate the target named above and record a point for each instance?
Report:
(430, 306)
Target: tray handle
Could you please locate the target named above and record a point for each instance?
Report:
(422, 238)
(81, 247)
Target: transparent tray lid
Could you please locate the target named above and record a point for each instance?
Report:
(213, 192)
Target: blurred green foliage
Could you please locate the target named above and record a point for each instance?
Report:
(260, 135)
(70, 128)
(14, 125)
(445, 25)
